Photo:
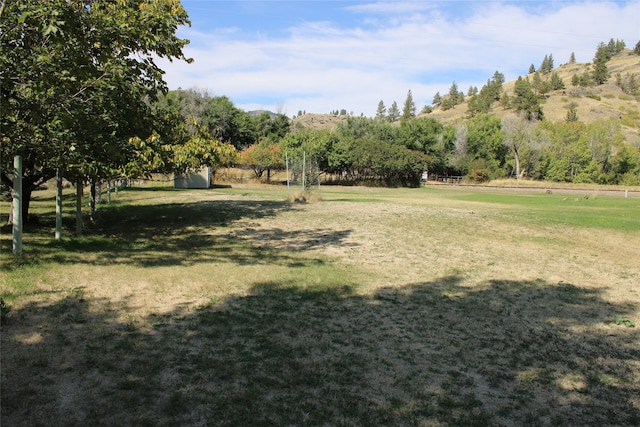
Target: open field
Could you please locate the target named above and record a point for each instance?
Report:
(232, 306)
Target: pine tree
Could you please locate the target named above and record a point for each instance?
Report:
(525, 101)
(612, 47)
(636, 49)
(409, 109)
(437, 99)
(575, 80)
(381, 111)
(394, 112)
(543, 66)
(453, 93)
(600, 70)
(572, 58)
(572, 113)
(505, 101)
(556, 82)
(532, 69)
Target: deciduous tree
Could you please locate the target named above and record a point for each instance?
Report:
(75, 79)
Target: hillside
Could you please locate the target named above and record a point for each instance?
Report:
(597, 102)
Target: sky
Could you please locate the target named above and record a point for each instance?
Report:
(325, 55)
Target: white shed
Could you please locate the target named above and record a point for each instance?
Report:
(199, 179)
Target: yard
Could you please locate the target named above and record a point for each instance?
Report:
(233, 306)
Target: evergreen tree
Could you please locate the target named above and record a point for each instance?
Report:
(496, 85)
(572, 58)
(505, 101)
(536, 83)
(409, 109)
(600, 69)
(525, 100)
(437, 99)
(453, 93)
(572, 113)
(575, 80)
(381, 111)
(472, 91)
(394, 112)
(545, 65)
(532, 69)
(556, 82)
(427, 109)
(636, 49)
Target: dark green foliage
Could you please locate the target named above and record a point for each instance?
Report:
(490, 93)
(628, 84)
(556, 82)
(394, 112)
(78, 96)
(572, 113)
(525, 100)
(437, 99)
(572, 58)
(532, 69)
(600, 70)
(547, 64)
(575, 80)
(409, 109)
(381, 111)
(616, 46)
(453, 98)
(222, 120)
(636, 49)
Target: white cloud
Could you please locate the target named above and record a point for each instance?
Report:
(321, 66)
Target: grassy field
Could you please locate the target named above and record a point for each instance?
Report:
(232, 306)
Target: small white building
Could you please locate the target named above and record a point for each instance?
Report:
(199, 179)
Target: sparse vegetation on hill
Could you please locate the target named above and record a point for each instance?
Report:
(555, 124)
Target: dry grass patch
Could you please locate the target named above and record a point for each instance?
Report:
(371, 307)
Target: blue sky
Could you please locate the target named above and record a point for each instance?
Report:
(319, 56)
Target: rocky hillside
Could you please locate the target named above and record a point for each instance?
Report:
(596, 102)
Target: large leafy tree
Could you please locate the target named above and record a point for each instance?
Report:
(76, 79)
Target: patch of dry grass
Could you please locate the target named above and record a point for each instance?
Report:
(372, 307)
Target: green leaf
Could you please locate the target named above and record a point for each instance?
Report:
(625, 321)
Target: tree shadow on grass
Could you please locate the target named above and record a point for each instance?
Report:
(432, 353)
(182, 234)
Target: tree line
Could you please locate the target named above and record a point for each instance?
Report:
(88, 102)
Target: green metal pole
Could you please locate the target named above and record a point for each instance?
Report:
(79, 207)
(59, 204)
(17, 205)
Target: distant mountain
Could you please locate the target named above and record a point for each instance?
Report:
(258, 112)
